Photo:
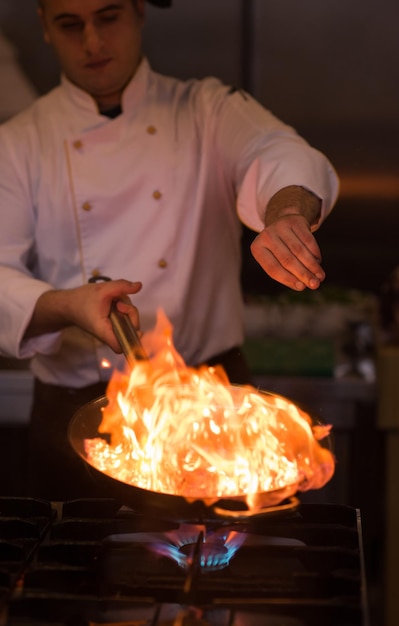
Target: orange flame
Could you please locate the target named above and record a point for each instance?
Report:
(189, 432)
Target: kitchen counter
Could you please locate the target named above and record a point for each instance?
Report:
(335, 401)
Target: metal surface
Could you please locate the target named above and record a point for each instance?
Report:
(127, 336)
(124, 330)
(97, 563)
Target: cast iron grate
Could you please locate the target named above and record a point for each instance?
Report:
(91, 562)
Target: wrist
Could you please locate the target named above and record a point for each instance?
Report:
(51, 313)
(294, 200)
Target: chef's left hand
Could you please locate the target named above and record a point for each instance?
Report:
(286, 248)
(289, 253)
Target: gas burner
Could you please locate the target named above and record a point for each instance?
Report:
(213, 549)
(213, 556)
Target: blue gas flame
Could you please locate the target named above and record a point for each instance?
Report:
(216, 551)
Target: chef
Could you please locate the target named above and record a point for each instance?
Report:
(123, 172)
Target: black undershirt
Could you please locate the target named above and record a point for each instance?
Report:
(114, 112)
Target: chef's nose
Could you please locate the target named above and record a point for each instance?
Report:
(93, 40)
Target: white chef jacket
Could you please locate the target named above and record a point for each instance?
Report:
(153, 195)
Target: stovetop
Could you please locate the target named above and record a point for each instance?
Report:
(90, 562)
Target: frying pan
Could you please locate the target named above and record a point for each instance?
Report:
(85, 425)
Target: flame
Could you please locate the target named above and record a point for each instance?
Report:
(217, 546)
(189, 432)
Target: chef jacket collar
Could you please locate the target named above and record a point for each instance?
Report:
(132, 96)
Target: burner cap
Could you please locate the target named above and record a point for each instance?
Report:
(214, 556)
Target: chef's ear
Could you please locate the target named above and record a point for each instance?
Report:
(42, 18)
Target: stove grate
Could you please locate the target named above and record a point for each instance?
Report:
(92, 562)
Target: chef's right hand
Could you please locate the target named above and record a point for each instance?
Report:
(87, 307)
(98, 307)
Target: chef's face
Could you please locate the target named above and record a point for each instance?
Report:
(97, 42)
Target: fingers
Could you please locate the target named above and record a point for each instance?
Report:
(118, 292)
(127, 308)
(92, 306)
(289, 253)
(123, 302)
(117, 289)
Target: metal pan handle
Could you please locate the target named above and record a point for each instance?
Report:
(124, 330)
(289, 505)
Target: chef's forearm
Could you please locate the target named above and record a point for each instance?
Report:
(51, 314)
(87, 307)
(294, 200)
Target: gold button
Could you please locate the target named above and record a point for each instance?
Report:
(77, 144)
(86, 206)
(151, 130)
(162, 264)
(157, 195)
(96, 273)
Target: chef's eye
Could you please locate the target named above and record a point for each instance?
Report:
(71, 25)
(109, 16)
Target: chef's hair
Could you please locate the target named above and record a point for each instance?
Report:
(159, 3)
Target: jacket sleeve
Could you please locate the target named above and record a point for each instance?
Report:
(263, 155)
(19, 289)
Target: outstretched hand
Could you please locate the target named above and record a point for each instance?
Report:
(286, 248)
(289, 253)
